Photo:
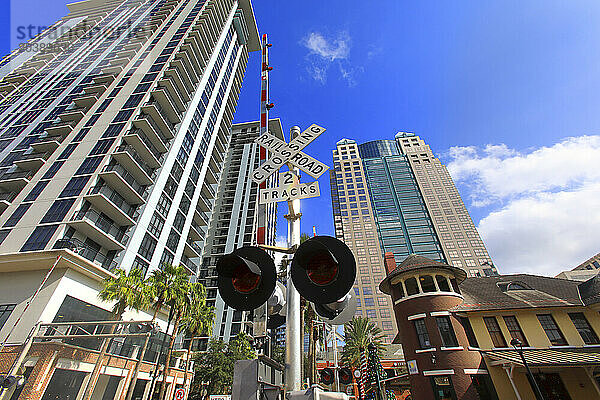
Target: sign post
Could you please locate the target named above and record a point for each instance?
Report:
(291, 190)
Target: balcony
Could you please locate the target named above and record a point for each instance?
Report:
(211, 176)
(45, 144)
(124, 183)
(100, 229)
(86, 101)
(168, 84)
(98, 89)
(195, 232)
(5, 199)
(32, 161)
(203, 204)
(112, 69)
(144, 147)
(192, 250)
(166, 101)
(187, 79)
(73, 113)
(189, 264)
(112, 204)
(60, 128)
(183, 91)
(201, 218)
(158, 115)
(16, 180)
(79, 247)
(104, 79)
(152, 131)
(183, 59)
(208, 191)
(128, 158)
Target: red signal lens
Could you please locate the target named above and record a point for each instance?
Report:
(244, 280)
(322, 269)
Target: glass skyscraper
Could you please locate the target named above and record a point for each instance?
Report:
(395, 196)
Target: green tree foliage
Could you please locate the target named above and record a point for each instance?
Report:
(126, 290)
(358, 333)
(214, 367)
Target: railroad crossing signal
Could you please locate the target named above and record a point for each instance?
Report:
(283, 153)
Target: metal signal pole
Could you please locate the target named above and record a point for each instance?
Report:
(293, 345)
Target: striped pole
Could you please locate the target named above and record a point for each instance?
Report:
(363, 371)
(264, 127)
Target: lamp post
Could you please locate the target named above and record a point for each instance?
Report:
(516, 343)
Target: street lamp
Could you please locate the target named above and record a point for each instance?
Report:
(516, 343)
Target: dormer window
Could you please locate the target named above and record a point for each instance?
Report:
(509, 286)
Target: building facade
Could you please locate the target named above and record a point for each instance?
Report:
(235, 220)
(355, 225)
(395, 196)
(458, 333)
(113, 137)
(584, 271)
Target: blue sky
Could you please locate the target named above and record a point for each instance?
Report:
(507, 93)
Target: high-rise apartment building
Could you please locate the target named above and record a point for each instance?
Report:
(235, 220)
(394, 196)
(114, 127)
(355, 225)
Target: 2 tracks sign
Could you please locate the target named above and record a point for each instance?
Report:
(289, 153)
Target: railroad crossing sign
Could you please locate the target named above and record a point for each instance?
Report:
(283, 152)
(289, 189)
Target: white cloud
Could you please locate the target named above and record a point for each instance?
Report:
(330, 49)
(545, 203)
(325, 51)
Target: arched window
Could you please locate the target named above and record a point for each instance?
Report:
(411, 286)
(442, 283)
(516, 286)
(427, 283)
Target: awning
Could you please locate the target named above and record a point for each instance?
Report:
(572, 357)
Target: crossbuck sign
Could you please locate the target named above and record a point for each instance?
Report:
(282, 153)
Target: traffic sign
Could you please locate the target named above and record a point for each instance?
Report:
(300, 191)
(283, 152)
(179, 394)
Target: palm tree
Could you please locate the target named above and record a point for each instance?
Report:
(358, 333)
(165, 285)
(198, 320)
(127, 291)
(181, 301)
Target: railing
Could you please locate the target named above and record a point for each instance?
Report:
(17, 175)
(35, 155)
(189, 263)
(162, 112)
(141, 190)
(210, 189)
(171, 99)
(133, 153)
(79, 247)
(116, 199)
(154, 126)
(8, 196)
(194, 246)
(148, 143)
(104, 224)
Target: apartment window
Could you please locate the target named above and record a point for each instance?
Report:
(39, 238)
(552, 331)
(147, 247)
(369, 302)
(446, 331)
(515, 329)
(427, 283)
(371, 313)
(422, 333)
(35, 192)
(17, 215)
(53, 170)
(494, 330)
(385, 313)
(156, 224)
(387, 325)
(466, 324)
(102, 147)
(5, 311)
(68, 151)
(583, 327)
(75, 186)
(89, 165)
(58, 210)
